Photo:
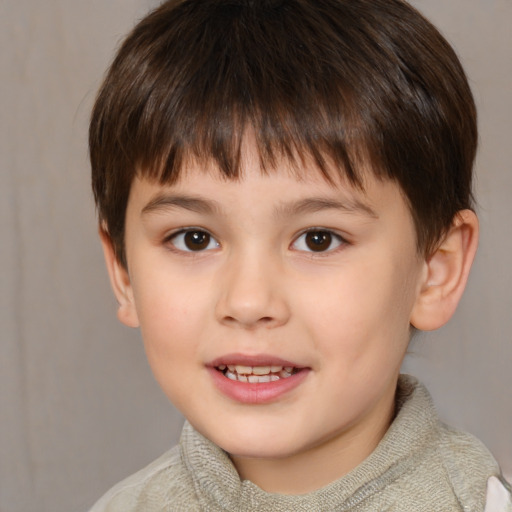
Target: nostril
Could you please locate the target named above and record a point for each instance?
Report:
(250, 308)
(263, 321)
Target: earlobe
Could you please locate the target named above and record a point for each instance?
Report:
(120, 281)
(446, 274)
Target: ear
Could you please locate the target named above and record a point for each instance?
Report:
(120, 281)
(446, 274)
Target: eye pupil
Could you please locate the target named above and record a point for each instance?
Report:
(318, 240)
(196, 240)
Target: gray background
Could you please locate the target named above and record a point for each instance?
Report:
(78, 406)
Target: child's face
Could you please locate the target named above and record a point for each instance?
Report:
(271, 271)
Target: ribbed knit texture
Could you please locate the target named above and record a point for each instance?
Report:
(420, 465)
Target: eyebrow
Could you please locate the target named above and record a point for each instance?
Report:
(307, 205)
(316, 204)
(194, 204)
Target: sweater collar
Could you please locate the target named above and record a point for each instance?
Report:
(218, 485)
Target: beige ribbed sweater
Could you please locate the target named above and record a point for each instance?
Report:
(421, 465)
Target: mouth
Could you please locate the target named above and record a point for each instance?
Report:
(256, 374)
(256, 379)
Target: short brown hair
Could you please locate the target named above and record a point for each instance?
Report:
(341, 81)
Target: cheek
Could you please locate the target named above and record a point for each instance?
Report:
(363, 313)
(172, 315)
(171, 330)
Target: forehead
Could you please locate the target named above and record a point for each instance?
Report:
(299, 168)
(289, 187)
(251, 158)
(250, 151)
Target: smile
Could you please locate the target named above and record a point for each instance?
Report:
(256, 379)
(256, 374)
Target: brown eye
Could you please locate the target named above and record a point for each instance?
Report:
(196, 240)
(193, 240)
(318, 241)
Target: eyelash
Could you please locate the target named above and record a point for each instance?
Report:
(333, 238)
(205, 245)
(171, 239)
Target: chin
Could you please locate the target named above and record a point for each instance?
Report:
(259, 445)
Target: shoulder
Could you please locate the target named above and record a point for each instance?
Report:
(163, 482)
(446, 462)
(468, 465)
(464, 453)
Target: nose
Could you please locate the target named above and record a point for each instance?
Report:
(252, 294)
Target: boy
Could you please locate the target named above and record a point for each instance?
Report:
(284, 193)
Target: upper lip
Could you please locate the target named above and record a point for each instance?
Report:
(252, 360)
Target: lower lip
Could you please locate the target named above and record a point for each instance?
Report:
(257, 393)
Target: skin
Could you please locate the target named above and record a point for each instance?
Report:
(343, 314)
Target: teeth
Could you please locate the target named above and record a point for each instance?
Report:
(255, 370)
(256, 374)
(243, 370)
(258, 379)
(261, 370)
